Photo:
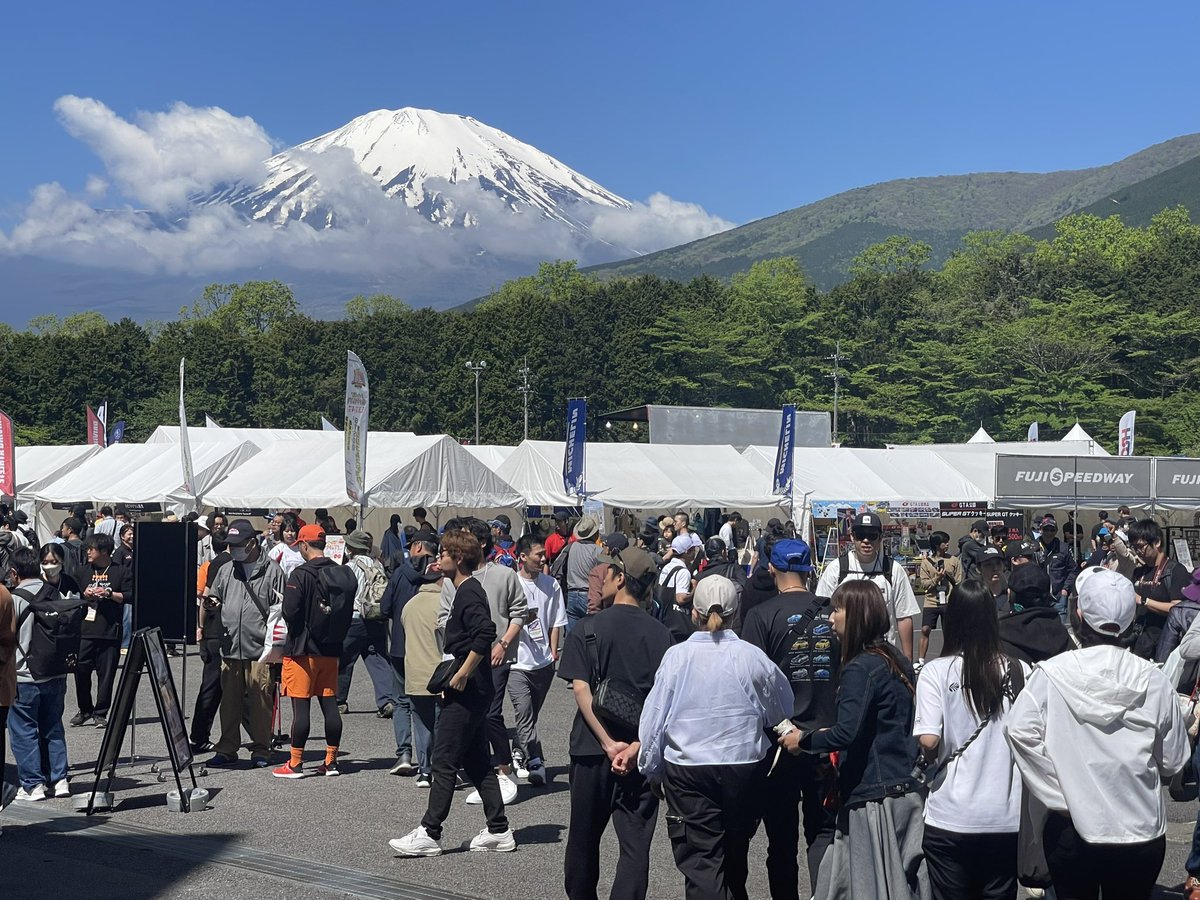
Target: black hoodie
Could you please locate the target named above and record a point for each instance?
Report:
(970, 552)
(1034, 634)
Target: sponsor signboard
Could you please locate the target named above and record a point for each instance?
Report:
(1070, 478)
(1177, 479)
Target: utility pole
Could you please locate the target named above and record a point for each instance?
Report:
(477, 368)
(524, 390)
(836, 358)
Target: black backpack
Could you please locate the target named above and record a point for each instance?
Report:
(329, 618)
(54, 639)
(844, 568)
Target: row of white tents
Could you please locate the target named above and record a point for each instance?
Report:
(247, 468)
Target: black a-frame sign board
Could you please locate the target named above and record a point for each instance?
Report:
(147, 653)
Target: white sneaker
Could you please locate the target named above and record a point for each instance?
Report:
(62, 788)
(32, 795)
(508, 792)
(416, 843)
(519, 770)
(485, 842)
(536, 774)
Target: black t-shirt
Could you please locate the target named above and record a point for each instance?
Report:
(1152, 584)
(630, 644)
(806, 649)
(105, 625)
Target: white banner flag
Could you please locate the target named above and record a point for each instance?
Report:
(1032, 435)
(358, 404)
(185, 447)
(1125, 434)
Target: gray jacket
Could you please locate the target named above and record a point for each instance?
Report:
(245, 600)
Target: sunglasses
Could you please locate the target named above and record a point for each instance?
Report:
(866, 535)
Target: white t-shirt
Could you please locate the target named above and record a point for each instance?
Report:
(677, 574)
(543, 594)
(980, 791)
(901, 601)
(286, 558)
(726, 534)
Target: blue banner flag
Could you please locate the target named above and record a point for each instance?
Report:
(118, 432)
(783, 456)
(573, 465)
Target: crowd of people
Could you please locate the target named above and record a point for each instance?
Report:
(725, 678)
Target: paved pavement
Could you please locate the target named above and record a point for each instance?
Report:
(322, 838)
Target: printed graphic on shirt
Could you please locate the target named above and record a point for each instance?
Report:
(811, 654)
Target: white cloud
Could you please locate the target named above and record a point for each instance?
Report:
(159, 160)
(163, 157)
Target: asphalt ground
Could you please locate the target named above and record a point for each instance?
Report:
(263, 837)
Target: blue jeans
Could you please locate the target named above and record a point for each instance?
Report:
(576, 608)
(402, 715)
(126, 624)
(35, 721)
(425, 711)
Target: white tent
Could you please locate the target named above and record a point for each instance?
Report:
(402, 471)
(980, 437)
(491, 455)
(641, 476)
(1077, 433)
(140, 473)
(260, 437)
(39, 465)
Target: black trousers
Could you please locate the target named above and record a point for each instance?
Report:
(99, 657)
(496, 729)
(461, 742)
(797, 783)
(208, 701)
(971, 866)
(713, 814)
(1083, 871)
(597, 796)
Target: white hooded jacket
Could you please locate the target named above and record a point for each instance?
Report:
(1094, 734)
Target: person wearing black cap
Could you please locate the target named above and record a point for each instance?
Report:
(866, 561)
(761, 559)
(1058, 561)
(793, 629)
(970, 548)
(504, 548)
(1032, 631)
(991, 573)
(719, 563)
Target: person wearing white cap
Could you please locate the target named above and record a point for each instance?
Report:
(1095, 733)
(704, 735)
(675, 588)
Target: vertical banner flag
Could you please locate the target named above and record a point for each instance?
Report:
(326, 425)
(1125, 434)
(783, 456)
(358, 405)
(185, 444)
(95, 428)
(8, 458)
(117, 434)
(574, 478)
(1032, 434)
(102, 415)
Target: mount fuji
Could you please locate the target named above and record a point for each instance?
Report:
(429, 161)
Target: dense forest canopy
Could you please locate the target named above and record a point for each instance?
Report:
(1099, 319)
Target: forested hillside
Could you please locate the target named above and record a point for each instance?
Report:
(1099, 319)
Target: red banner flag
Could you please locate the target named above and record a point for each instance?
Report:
(95, 429)
(8, 458)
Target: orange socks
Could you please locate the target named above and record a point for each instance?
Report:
(330, 755)
(297, 757)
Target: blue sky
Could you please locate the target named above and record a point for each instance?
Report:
(746, 109)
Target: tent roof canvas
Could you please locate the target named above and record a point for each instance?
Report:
(38, 465)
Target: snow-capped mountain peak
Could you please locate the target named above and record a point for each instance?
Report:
(414, 154)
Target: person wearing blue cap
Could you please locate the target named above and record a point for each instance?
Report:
(793, 630)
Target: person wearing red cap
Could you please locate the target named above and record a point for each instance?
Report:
(318, 603)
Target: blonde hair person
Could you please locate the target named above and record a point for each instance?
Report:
(703, 732)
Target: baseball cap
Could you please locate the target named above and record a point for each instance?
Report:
(561, 515)
(791, 556)
(202, 522)
(868, 520)
(1030, 586)
(715, 592)
(681, 544)
(503, 522)
(980, 526)
(1016, 550)
(239, 532)
(1106, 600)
(989, 554)
(310, 533)
(714, 546)
(616, 542)
(1191, 591)
(1049, 522)
(640, 566)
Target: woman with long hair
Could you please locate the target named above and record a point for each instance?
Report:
(974, 804)
(876, 851)
(462, 736)
(703, 731)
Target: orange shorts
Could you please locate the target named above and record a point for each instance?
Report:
(309, 676)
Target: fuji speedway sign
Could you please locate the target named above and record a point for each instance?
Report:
(1177, 479)
(1021, 477)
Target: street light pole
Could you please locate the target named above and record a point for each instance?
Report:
(836, 376)
(477, 368)
(525, 389)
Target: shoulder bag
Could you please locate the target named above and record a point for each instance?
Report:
(617, 704)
